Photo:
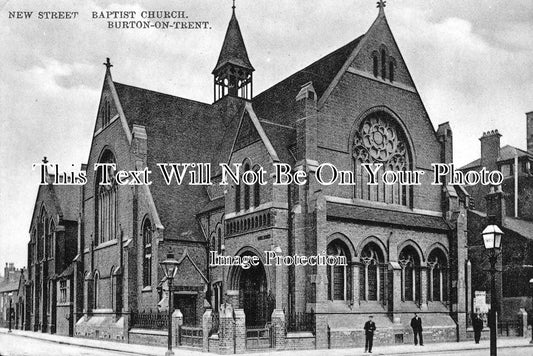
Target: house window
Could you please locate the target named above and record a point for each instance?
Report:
(410, 263)
(373, 273)
(339, 276)
(379, 139)
(437, 276)
(106, 194)
(63, 291)
(147, 252)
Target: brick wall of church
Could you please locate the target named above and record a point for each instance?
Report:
(350, 99)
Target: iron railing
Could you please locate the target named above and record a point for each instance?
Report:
(154, 320)
(296, 322)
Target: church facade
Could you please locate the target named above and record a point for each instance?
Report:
(404, 245)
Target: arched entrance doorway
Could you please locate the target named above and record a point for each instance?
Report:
(254, 296)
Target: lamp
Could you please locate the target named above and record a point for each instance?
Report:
(492, 239)
(531, 285)
(169, 267)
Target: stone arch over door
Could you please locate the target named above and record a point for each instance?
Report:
(254, 286)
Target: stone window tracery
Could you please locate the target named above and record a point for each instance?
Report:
(379, 139)
(373, 274)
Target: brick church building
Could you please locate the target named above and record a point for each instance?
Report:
(404, 244)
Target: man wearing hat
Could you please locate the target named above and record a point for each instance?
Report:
(370, 327)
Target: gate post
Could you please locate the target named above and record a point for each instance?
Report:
(226, 330)
(177, 322)
(207, 324)
(240, 331)
(522, 315)
(279, 329)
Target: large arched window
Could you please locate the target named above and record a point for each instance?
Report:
(410, 263)
(437, 276)
(147, 252)
(379, 139)
(50, 239)
(373, 274)
(339, 277)
(106, 200)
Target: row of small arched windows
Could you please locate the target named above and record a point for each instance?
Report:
(244, 201)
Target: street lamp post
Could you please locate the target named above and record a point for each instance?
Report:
(531, 285)
(492, 238)
(169, 266)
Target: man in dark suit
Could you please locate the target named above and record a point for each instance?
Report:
(370, 327)
(478, 327)
(416, 324)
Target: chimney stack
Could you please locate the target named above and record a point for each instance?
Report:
(490, 149)
(529, 117)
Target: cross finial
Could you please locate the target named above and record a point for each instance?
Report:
(45, 160)
(381, 4)
(107, 63)
(233, 7)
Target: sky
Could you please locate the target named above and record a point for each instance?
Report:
(471, 62)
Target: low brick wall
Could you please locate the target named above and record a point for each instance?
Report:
(100, 327)
(345, 338)
(148, 337)
(300, 341)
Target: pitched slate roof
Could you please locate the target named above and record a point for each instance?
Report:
(507, 152)
(378, 216)
(179, 130)
(66, 201)
(520, 226)
(277, 103)
(233, 49)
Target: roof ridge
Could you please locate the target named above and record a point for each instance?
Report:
(161, 93)
(356, 40)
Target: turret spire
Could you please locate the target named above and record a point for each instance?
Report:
(233, 71)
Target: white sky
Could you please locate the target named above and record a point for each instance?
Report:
(471, 61)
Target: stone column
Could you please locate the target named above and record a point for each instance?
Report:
(279, 328)
(240, 331)
(396, 290)
(355, 284)
(207, 324)
(522, 314)
(226, 330)
(177, 322)
(424, 286)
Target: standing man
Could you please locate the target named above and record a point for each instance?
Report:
(370, 327)
(416, 324)
(477, 323)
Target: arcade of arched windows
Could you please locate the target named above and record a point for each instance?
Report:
(374, 278)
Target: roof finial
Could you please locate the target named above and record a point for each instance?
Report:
(233, 7)
(381, 6)
(107, 63)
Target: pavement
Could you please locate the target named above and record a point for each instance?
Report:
(503, 343)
